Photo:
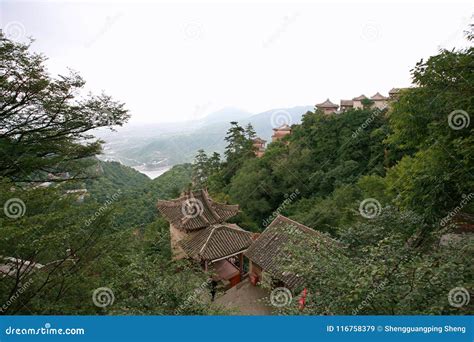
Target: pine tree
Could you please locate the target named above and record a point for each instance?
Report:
(214, 163)
(239, 148)
(250, 132)
(200, 169)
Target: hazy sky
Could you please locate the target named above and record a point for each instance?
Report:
(177, 61)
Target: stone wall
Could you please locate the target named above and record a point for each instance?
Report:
(177, 235)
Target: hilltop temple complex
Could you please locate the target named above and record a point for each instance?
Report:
(199, 232)
(327, 107)
(376, 101)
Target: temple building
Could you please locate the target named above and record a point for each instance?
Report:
(268, 255)
(327, 107)
(346, 105)
(259, 147)
(280, 132)
(357, 101)
(198, 231)
(393, 93)
(379, 100)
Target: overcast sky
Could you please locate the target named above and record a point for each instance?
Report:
(177, 61)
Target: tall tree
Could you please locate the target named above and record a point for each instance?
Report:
(200, 169)
(45, 121)
(239, 148)
(431, 125)
(214, 163)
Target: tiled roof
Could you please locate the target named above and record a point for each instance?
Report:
(347, 103)
(195, 210)
(360, 98)
(327, 104)
(269, 249)
(259, 140)
(283, 127)
(394, 91)
(216, 242)
(378, 96)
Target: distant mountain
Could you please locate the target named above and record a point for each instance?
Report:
(112, 176)
(227, 115)
(266, 121)
(167, 145)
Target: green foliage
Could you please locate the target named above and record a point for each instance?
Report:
(383, 266)
(62, 236)
(431, 124)
(239, 148)
(93, 224)
(44, 123)
(200, 169)
(416, 160)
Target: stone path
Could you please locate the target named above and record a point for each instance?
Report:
(245, 299)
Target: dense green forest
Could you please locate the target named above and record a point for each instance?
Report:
(58, 245)
(383, 183)
(386, 184)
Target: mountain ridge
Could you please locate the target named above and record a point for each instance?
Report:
(136, 147)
